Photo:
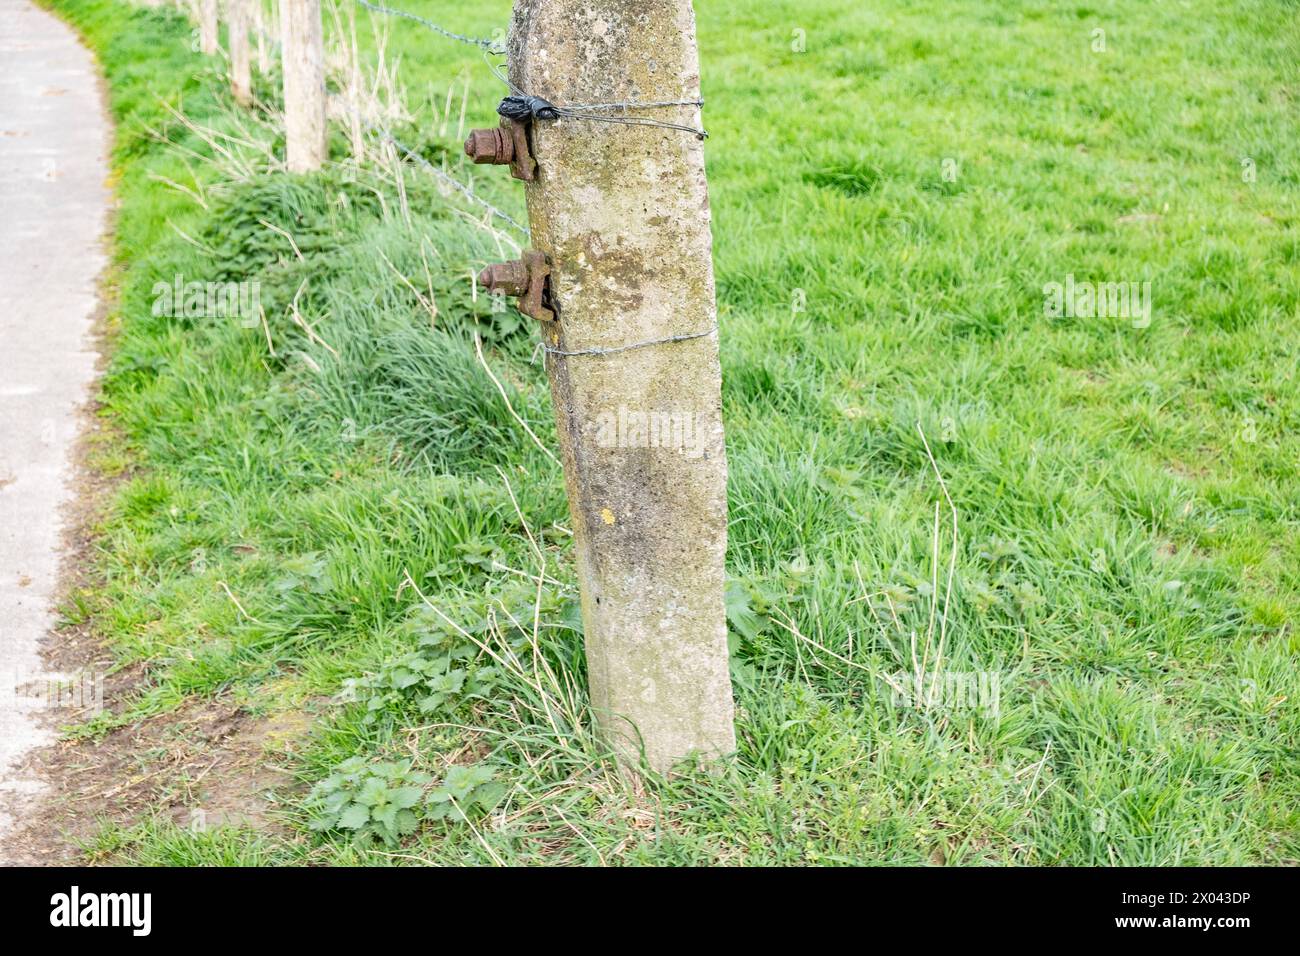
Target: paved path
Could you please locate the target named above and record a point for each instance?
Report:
(53, 212)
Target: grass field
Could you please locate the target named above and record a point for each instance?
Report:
(889, 205)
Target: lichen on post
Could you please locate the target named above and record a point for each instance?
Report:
(623, 213)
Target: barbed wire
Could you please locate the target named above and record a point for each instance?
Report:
(523, 104)
(447, 178)
(485, 43)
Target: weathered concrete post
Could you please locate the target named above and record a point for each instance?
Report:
(208, 27)
(622, 212)
(302, 56)
(241, 83)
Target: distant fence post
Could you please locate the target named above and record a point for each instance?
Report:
(622, 213)
(302, 57)
(263, 47)
(241, 84)
(208, 27)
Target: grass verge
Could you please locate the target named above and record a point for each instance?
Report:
(336, 512)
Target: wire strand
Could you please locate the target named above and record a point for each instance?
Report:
(450, 180)
(587, 111)
(635, 345)
(590, 112)
(486, 44)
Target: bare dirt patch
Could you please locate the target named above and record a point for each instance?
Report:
(209, 762)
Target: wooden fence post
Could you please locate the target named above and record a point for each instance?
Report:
(208, 27)
(241, 84)
(622, 212)
(302, 57)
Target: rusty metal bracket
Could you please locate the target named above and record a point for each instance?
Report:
(507, 143)
(528, 278)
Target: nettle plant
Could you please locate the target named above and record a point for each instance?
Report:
(449, 665)
(464, 789)
(447, 668)
(443, 670)
(388, 800)
(376, 801)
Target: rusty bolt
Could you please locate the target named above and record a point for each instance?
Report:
(494, 146)
(508, 143)
(510, 278)
(525, 278)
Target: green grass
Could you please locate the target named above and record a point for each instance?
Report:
(1128, 502)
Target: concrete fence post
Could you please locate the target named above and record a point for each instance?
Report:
(622, 213)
